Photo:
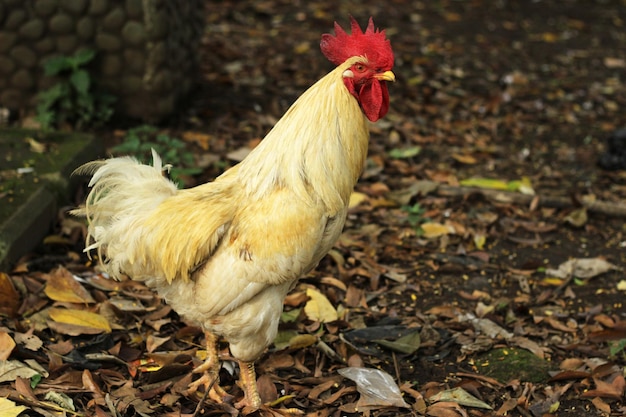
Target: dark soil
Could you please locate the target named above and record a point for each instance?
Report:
(503, 90)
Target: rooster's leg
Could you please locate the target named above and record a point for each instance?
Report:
(248, 384)
(210, 370)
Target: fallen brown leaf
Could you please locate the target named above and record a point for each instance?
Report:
(614, 390)
(601, 405)
(7, 344)
(446, 409)
(9, 297)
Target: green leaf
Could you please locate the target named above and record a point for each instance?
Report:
(45, 118)
(617, 347)
(406, 344)
(81, 82)
(73, 98)
(485, 183)
(290, 316)
(35, 380)
(52, 95)
(142, 130)
(82, 57)
(405, 152)
(187, 171)
(283, 337)
(524, 186)
(56, 65)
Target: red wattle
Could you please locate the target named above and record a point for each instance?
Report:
(374, 99)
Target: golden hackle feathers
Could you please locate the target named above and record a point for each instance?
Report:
(317, 148)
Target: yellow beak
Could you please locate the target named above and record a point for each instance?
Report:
(386, 76)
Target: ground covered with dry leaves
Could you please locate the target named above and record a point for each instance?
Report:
(482, 264)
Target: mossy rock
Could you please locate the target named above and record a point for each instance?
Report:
(34, 182)
(506, 364)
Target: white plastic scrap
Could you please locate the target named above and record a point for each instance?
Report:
(377, 388)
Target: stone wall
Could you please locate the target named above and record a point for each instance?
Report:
(147, 50)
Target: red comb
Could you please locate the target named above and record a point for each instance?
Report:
(372, 44)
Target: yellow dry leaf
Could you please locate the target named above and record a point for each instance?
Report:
(9, 409)
(452, 17)
(577, 217)
(479, 241)
(301, 341)
(464, 159)
(318, 308)
(552, 281)
(63, 287)
(79, 318)
(35, 146)
(199, 138)
(554, 407)
(432, 230)
(356, 199)
(302, 48)
(523, 185)
(334, 282)
(576, 24)
(549, 37)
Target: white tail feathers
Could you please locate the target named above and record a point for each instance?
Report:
(123, 193)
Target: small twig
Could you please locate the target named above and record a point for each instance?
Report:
(601, 207)
(206, 393)
(328, 351)
(396, 367)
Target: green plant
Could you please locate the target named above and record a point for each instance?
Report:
(74, 98)
(140, 140)
(618, 346)
(415, 215)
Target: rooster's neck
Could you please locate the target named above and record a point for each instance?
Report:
(317, 148)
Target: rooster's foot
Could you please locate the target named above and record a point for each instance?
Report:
(210, 371)
(251, 400)
(210, 381)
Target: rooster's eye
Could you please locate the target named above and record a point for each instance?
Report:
(359, 67)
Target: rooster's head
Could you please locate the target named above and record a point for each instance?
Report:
(365, 79)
